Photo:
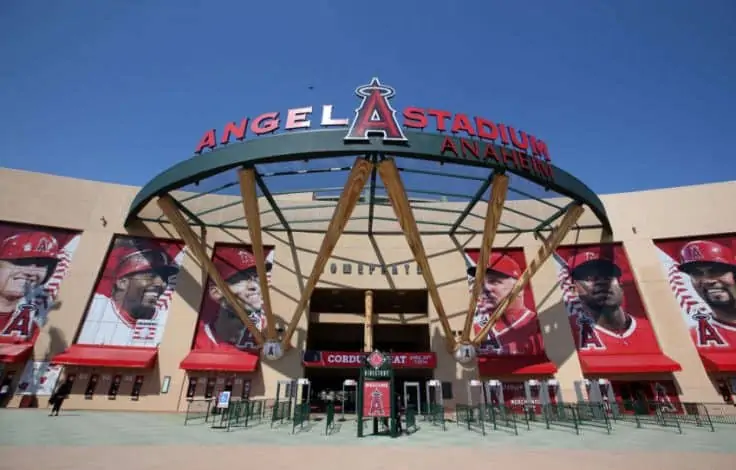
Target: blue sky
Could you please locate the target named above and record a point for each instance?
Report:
(628, 94)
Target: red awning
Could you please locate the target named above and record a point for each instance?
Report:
(492, 366)
(719, 361)
(230, 361)
(90, 355)
(11, 353)
(628, 364)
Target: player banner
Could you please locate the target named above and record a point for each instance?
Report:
(131, 301)
(219, 327)
(33, 263)
(517, 332)
(702, 275)
(605, 309)
(39, 378)
(376, 399)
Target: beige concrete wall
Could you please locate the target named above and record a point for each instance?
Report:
(97, 209)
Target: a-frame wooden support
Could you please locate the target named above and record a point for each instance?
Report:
(249, 195)
(348, 199)
(171, 211)
(499, 189)
(549, 245)
(397, 195)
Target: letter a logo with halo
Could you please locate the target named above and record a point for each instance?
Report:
(376, 359)
(375, 116)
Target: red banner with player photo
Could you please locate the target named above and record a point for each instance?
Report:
(33, 263)
(516, 335)
(131, 301)
(612, 331)
(702, 275)
(376, 399)
(219, 329)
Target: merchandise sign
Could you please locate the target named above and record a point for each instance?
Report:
(376, 399)
(467, 137)
(427, 360)
(223, 399)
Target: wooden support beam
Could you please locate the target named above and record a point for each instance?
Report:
(368, 325)
(348, 199)
(397, 195)
(168, 207)
(499, 188)
(545, 251)
(249, 195)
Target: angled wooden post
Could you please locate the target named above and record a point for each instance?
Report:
(549, 245)
(499, 189)
(397, 195)
(249, 195)
(348, 199)
(171, 211)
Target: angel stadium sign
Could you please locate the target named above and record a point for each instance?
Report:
(466, 137)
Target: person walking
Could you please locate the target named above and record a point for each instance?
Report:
(58, 397)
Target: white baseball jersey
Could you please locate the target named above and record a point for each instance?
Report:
(107, 324)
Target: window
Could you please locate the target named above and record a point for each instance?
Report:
(112, 392)
(447, 390)
(91, 385)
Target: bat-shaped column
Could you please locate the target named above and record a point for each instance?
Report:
(171, 211)
(549, 245)
(253, 218)
(344, 209)
(397, 195)
(499, 188)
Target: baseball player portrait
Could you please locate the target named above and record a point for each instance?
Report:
(131, 302)
(702, 275)
(517, 332)
(32, 265)
(220, 327)
(605, 310)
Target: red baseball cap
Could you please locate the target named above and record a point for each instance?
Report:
(593, 256)
(500, 263)
(230, 261)
(703, 251)
(142, 258)
(29, 245)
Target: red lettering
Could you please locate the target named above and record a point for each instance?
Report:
(546, 169)
(265, 123)
(524, 144)
(524, 162)
(208, 141)
(21, 323)
(471, 146)
(448, 146)
(415, 118)
(708, 335)
(533, 145)
(375, 116)
(491, 153)
(486, 129)
(589, 339)
(504, 134)
(509, 157)
(462, 123)
(233, 129)
(440, 116)
(542, 149)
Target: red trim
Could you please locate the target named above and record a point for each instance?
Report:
(230, 361)
(94, 355)
(12, 353)
(492, 366)
(719, 361)
(628, 364)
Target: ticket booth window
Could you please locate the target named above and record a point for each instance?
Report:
(112, 393)
(209, 390)
(91, 386)
(192, 387)
(229, 384)
(137, 385)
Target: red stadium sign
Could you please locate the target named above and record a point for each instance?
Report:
(376, 117)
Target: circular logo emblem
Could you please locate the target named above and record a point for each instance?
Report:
(465, 353)
(272, 350)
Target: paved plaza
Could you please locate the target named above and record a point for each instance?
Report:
(29, 439)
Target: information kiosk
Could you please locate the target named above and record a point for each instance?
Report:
(376, 393)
